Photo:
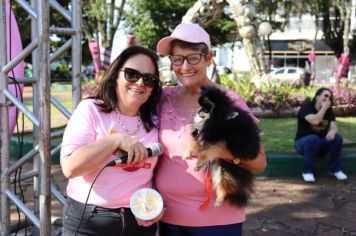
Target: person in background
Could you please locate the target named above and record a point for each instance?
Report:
(121, 117)
(184, 189)
(317, 135)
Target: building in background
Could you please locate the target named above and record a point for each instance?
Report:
(293, 47)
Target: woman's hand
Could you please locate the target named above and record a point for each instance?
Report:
(330, 135)
(148, 223)
(258, 164)
(332, 131)
(326, 104)
(136, 151)
(220, 150)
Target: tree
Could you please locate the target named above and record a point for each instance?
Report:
(150, 20)
(24, 22)
(101, 19)
(57, 20)
(334, 14)
(344, 7)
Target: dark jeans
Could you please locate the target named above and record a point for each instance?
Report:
(312, 146)
(177, 230)
(102, 221)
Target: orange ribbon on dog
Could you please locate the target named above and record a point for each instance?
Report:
(208, 188)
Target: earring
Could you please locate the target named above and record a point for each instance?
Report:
(236, 161)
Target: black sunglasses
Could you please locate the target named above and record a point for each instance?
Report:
(132, 75)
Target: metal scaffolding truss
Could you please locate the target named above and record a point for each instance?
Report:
(41, 153)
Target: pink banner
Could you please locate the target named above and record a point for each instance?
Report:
(105, 57)
(14, 47)
(343, 66)
(95, 54)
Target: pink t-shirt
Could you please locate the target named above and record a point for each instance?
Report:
(182, 188)
(114, 186)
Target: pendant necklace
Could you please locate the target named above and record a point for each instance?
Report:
(123, 126)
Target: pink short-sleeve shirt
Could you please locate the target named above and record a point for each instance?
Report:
(115, 185)
(182, 188)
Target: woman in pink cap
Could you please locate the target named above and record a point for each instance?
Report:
(184, 189)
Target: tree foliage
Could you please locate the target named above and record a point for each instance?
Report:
(99, 17)
(150, 20)
(24, 23)
(331, 15)
(102, 17)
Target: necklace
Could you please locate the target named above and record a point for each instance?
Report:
(186, 108)
(123, 126)
(186, 116)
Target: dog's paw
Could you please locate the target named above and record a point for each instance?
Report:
(187, 154)
(192, 148)
(200, 163)
(218, 203)
(197, 168)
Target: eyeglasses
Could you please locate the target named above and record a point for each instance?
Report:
(192, 59)
(132, 75)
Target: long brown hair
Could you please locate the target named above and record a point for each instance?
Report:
(107, 87)
(319, 92)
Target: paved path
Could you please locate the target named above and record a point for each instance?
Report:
(288, 206)
(285, 206)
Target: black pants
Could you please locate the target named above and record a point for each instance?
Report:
(102, 221)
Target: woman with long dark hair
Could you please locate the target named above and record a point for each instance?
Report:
(317, 134)
(120, 117)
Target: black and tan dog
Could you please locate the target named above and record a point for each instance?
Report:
(220, 122)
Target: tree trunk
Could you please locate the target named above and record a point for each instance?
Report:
(244, 14)
(205, 12)
(345, 12)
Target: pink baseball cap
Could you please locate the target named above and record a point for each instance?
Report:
(192, 33)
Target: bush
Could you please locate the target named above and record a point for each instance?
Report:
(89, 88)
(344, 95)
(272, 95)
(280, 96)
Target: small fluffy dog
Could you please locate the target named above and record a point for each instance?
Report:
(220, 122)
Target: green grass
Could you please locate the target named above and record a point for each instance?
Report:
(57, 118)
(279, 133)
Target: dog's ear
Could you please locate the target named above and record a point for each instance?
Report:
(209, 104)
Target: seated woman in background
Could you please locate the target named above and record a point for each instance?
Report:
(317, 135)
